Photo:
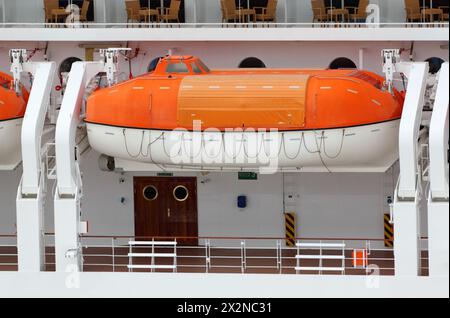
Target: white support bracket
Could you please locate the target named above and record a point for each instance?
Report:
(69, 189)
(32, 189)
(407, 248)
(111, 63)
(438, 196)
(391, 58)
(17, 58)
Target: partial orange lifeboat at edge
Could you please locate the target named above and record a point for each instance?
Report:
(12, 110)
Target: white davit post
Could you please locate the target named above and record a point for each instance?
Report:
(69, 187)
(408, 190)
(31, 193)
(438, 204)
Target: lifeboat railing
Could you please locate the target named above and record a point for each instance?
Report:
(246, 255)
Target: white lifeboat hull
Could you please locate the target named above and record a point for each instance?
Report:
(367, 148)
(10, 148)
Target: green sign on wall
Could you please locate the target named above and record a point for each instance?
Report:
(165, 174)
(247, 176)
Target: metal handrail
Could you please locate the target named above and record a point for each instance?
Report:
(229, 238)
(236, 255)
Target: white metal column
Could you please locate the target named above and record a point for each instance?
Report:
(32, 189)
(408, 192)
(69, 187)
(438, 197)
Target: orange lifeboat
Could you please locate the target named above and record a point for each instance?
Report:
(12, 110)
(183, 115)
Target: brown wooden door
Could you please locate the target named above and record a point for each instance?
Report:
(166, 207)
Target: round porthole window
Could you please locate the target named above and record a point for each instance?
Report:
(150, 193)
(180, 193)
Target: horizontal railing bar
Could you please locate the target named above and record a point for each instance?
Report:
(226, 256)
(151, 255)
(220, 24)
(151, 266)
(230, 238)
(193, 265)
(334, 269)
(224, 266)
(324, 257)
(228, 266)
(319, 245)
(151, 243)
(201, 248)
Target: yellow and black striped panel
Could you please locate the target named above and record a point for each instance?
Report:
(388, 231)
(290, 229)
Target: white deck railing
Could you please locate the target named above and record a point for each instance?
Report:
(222, 255)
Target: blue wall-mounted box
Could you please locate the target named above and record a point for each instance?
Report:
(242, 202)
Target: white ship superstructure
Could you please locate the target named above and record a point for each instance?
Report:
(85, 210)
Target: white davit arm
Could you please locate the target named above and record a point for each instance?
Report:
(416, 73)
(410, 128)
(67, 124)
(33, 124)
(69, 190)
(438, 138)
(438, 196)
(408, 190)
(32, 189)
(34, 119)
(69, 117)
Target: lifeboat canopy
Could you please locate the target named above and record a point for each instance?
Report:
(181, 65)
